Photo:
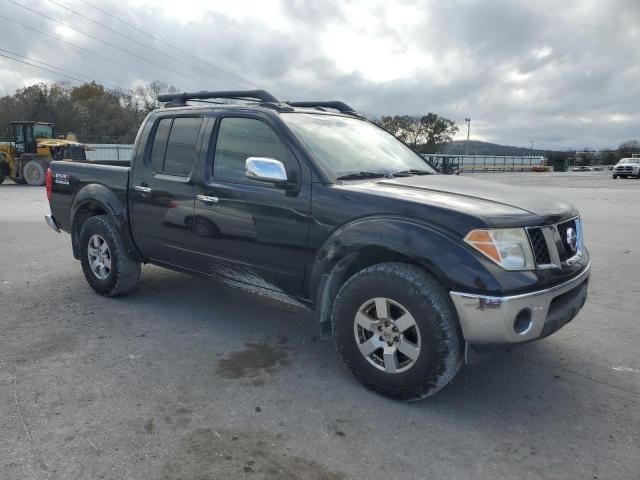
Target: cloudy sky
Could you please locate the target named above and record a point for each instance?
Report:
(565, 74)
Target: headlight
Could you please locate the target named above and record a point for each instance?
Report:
(508, 247)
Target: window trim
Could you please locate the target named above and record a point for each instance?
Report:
(152, 137)
(209, 176)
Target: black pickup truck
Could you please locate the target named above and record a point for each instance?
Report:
(410, 271)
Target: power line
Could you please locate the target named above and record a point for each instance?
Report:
(61, 40)
(60, 68)
(124, 50)
(157, 39)
(128, 37)
(42, 68)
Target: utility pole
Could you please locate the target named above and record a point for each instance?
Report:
(531, 146)
(468, 122)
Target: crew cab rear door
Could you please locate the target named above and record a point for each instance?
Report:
(246, 230)
(162, 189)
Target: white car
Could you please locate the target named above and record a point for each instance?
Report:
(627, 167)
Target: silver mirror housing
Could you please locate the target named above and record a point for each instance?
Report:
(265, 170)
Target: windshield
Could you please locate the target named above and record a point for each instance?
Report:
(347, 145)
(630, 160)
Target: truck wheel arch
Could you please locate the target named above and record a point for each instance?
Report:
(95, 199)
(372, 240)
(330, 282)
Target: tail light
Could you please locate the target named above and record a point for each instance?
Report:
(48, 180)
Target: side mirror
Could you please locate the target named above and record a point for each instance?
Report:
(267, 170)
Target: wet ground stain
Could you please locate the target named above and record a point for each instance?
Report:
(208, 453)
(256, 359)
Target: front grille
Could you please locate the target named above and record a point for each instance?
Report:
(562, 231)
(539, 245)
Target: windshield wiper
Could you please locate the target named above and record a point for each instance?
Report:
(361, 175)
(407, 173)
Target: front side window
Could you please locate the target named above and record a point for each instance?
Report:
(174, 145)
(241, 138)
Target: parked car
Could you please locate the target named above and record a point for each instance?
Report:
(627, 167)
(411, 272)
(581, 169)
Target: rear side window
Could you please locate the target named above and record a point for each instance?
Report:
(174, 145)
(160, 144)
(241, 138)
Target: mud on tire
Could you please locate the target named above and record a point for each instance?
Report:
(123, 274)
(440, 339)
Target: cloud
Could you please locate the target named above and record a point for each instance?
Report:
(563, 74)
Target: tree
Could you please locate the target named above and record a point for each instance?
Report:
(145, 97)
(437, 131)
(94, 113)
(426, 134)
(628, 148)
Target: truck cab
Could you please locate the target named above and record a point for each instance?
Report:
(627, 167)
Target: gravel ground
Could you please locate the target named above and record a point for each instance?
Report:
(189, 379)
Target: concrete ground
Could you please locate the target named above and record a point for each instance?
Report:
(189, 379)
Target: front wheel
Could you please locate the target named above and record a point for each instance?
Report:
(33, 173)
(397, 331)
(614, 177)
(105, 262)
(1, 178)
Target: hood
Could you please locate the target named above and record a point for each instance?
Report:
(493, 201)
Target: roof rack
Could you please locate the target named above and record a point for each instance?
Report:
(335, 104)
(180, 99)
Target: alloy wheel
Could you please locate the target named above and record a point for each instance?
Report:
(387, 335)
(99, 257)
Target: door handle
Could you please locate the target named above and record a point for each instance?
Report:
(140, 188)
(207, 199)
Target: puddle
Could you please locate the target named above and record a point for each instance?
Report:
(257, 358)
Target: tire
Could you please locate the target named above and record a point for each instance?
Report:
(33, 173)
(614, 177)
(435, 332)
(120, 274)
(18, 180)
(1, 179)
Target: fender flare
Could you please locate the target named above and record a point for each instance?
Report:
(98, 197)
(388, 237)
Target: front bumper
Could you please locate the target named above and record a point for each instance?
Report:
(488, 321)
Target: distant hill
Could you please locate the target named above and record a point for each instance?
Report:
(476, 147)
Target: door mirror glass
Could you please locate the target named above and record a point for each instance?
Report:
(266, 170)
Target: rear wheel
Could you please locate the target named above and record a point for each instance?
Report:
(105, 263)
(397, 331)
(33, 173)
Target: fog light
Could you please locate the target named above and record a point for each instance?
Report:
(522, 323)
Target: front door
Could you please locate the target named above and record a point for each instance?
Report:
(162, 190)
(250, 231)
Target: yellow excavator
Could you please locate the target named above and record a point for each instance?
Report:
(33, 146)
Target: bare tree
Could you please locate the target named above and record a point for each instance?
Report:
(628, 148)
